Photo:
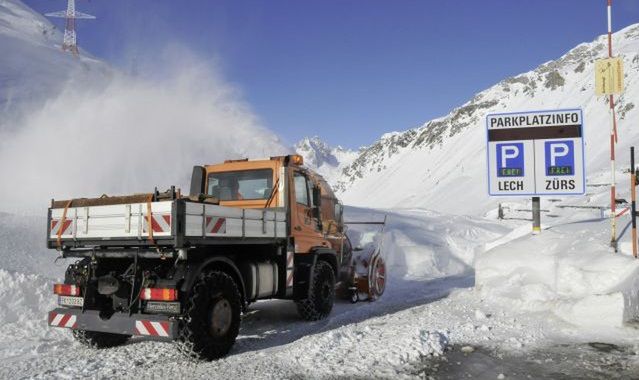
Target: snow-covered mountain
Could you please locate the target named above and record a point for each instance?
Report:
(443, 161)
(326, 160)
(32, 66)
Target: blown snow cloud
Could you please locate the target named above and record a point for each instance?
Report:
(127, 134)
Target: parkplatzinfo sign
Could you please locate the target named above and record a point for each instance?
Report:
(536, 153)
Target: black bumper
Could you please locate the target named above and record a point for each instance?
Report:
(157, 326)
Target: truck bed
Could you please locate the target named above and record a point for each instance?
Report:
(176, 223)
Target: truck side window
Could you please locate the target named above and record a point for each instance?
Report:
(301, 191)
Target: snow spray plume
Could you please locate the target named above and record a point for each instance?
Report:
(128, 136)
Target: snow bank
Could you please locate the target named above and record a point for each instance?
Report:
(22, 247)
(423, 245)
(25, 300)
(567, 271)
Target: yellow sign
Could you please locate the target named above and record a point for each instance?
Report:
(609, 76)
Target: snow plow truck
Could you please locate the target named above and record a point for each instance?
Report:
(184, 268)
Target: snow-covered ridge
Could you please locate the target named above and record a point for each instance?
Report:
(326, 160)
(19, 21)
(33, 67)
(445, 156)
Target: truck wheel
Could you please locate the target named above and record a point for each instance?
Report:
(319, 303)
(212, 319)
(95, 339)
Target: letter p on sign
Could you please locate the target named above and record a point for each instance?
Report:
(560, 157)
(510, 160)
(508, 152)
(558, 150)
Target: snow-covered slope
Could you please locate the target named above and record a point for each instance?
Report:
(32, 65)
(444, 159)
(324, 159)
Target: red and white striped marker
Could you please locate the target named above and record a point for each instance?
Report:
(152, 328)
(613, 140)
(63, 320)
(159, 223)
(290, 258)
(56, 225)
(215, 225)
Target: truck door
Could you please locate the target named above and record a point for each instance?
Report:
(305, 227)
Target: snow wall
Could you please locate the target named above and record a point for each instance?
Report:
(572, 274)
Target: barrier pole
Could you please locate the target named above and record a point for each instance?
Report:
(613, 140)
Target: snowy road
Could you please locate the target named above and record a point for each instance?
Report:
(432, 256)
(418, 328)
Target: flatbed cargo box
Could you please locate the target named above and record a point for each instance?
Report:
(174, 223)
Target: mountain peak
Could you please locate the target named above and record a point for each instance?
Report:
(321, 157)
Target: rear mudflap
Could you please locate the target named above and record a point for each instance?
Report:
(158, 326)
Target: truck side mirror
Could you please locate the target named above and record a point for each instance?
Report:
(317, 197)
(339, 216)
(198, 180)
(317, 206)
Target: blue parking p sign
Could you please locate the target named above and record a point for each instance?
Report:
(510, 160)
(559, 157)
(535, 153)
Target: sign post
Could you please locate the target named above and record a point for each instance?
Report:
(536, 153)
(536, 210)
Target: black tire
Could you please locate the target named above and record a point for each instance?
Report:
(95, 339)
(212, 318)
(321, 296)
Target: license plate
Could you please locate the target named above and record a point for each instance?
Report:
(70, 301)
(162, 307)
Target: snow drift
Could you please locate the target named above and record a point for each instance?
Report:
(567, 270)
(421, 245)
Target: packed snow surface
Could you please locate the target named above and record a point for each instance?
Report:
(429, 306)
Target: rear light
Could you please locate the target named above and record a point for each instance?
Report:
(158, 294)
(66, 290)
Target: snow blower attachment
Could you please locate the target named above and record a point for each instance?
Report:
(369, 267)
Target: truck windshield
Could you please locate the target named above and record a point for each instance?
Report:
(241, 185)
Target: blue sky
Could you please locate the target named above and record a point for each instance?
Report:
(348, 70)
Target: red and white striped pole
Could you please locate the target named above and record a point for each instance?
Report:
(613, 140)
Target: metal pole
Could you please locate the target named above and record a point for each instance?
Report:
(536, 211)
(613, 139)
(633, 205)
